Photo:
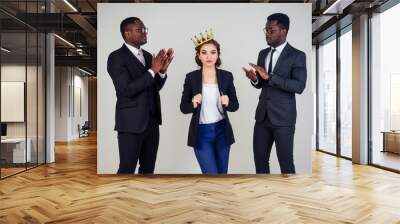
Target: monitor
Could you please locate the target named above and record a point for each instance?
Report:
(3, 129)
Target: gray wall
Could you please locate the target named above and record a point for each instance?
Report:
(71, 92)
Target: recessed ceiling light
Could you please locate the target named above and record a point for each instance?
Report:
(84, 71)
(64, 40)
(70, 5)
(337, 7)
(5, 50)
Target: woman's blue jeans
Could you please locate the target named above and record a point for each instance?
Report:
(211, 151)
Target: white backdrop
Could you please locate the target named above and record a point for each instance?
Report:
(238, 28)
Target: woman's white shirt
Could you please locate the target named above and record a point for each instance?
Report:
(210, 104)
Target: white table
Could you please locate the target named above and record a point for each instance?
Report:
(19, 155)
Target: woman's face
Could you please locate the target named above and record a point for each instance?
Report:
(208, 55)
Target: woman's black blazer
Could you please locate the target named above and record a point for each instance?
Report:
(193, 85)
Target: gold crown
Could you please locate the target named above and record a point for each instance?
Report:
(202, 38)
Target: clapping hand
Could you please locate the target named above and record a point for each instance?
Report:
(158, 61)
(264, 74)
(250, 73)
(169, 57)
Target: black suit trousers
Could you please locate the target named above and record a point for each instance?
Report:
(140, 147)
(265, 134)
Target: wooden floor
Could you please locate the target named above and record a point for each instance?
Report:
(5, 172)
(70, 191)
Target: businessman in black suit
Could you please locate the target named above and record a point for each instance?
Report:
(138, 77)
(280, 73)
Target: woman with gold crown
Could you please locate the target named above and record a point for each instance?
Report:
(208, 94)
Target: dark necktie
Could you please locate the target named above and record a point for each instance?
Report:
(270, 61)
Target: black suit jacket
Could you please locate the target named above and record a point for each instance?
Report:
(194, 85)
(277, 98)
(135, 87)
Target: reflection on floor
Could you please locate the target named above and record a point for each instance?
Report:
(10, 169)
(387, 159)
(346, 152)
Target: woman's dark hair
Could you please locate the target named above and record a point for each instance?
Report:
(216, 44)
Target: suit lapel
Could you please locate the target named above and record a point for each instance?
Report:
(282, 57)
(132, 57)
(219, 80)
(264, 58)
(147, 58)
(198, 81)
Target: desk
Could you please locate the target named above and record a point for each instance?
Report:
(391, 141)
(13, 150)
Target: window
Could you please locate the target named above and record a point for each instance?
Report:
(346, 93)
(385, 89)
(327, 96)
(22, 65)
